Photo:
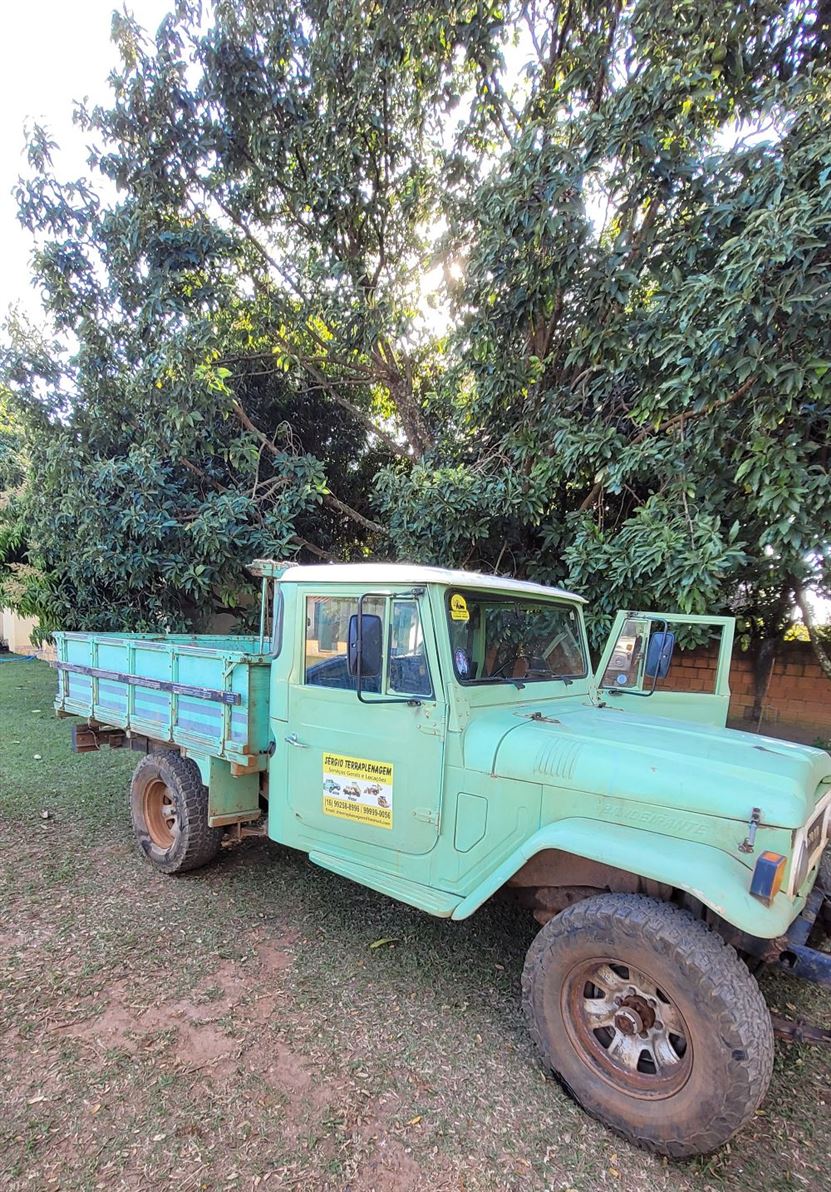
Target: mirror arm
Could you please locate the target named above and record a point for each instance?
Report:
(665, 631)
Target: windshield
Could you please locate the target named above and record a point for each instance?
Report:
(507, 639)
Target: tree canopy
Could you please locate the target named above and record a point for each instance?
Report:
(624, 386)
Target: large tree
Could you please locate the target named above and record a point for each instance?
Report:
(13, 546)
(232, 357)
(639, 403)
(631, 202)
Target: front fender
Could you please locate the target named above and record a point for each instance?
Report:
(714, 877)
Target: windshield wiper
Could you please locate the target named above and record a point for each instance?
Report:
(547, 677)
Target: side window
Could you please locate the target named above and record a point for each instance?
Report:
(694, 663)
(408, 670)
(327, 627)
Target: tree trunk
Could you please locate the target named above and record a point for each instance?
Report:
(764, 659)
(820, 652)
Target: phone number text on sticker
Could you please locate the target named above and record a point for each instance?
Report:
(358, 789)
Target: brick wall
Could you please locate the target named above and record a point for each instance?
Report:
(798, 699)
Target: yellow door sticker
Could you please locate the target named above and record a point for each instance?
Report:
(357, 789)
(458, 608)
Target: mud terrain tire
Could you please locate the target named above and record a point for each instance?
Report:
(673, 1049)
(169, 810)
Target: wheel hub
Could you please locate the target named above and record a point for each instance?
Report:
(629, 1021)
(626, 1027)
(636, 1015)
(160, 814)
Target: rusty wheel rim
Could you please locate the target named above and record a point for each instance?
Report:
(160, 814)
(627, 1028)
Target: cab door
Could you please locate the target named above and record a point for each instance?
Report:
(366, 768)
(668, 664)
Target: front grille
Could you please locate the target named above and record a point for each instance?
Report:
(814, 832)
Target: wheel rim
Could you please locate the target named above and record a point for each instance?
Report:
(160, 814)
(627, 1027)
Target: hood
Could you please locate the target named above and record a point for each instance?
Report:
(651, 759)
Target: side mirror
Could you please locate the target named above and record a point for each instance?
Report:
(659, 654)
(365, 661)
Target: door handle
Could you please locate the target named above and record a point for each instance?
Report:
(292, 740)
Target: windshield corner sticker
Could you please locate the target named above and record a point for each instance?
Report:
(458, 608)
(357, 789)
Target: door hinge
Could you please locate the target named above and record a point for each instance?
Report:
(431, 730)
(428, 814)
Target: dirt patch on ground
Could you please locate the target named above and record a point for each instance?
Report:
(275, 958)
(283, 1069)
(218, 1030)
(213, 1023)
(384, 1160)
(185, 1028)
(389, 1167)
(217, 1037)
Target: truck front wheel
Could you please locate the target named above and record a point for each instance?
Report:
(169, 810)
(651, 1022)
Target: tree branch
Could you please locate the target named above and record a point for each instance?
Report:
(314, 372)
(295, 538)
(335, 503)
(602, 74)
(328, 498)
(590, 499)
(314, 550)
(396, 380)
(677, 422)
(220, 488)
(270, 260)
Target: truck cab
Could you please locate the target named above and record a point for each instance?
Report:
(438, 735)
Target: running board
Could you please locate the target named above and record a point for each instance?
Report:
(435, 902)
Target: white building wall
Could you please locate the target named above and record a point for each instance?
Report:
(17, 631)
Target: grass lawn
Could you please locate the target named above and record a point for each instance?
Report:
(235, 1029)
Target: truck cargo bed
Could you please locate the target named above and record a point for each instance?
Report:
(208, 694)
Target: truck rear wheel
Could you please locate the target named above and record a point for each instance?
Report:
(651, 1022)
(169, 810)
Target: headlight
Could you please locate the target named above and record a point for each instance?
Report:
(809, 843)
(800, 866)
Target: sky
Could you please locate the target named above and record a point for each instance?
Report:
(40, 78)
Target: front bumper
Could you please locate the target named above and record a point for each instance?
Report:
(795, 952)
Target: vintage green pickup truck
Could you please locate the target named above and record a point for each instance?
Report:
(438, 735)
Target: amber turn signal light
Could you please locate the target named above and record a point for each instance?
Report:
(767, 876)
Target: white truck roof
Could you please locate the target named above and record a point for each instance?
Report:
(410, 573)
